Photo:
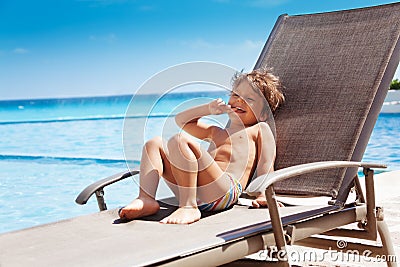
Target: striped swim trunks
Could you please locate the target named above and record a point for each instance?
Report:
(227, 200)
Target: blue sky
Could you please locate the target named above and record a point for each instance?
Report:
(65, 48)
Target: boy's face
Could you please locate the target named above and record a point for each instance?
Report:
(247, 104)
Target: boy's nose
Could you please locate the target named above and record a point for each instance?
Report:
(239, 99)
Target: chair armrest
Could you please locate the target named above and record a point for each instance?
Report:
(260, 183)
(84, 196)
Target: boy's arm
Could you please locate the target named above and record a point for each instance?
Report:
(266, 150)
(188, 119)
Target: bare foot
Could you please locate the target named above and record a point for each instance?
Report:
(183, 215)
(262, 202)
(139, 207)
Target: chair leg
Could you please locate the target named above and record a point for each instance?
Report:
(277, 226)
(387, 244)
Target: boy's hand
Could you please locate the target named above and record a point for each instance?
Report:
(218, 107)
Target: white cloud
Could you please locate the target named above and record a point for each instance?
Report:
(246, 45)
(201, 44)
(20, 51)
(251, 45)
(109, 38)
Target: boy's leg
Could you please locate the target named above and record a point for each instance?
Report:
(192, 167)
(153, 164)
(184, 168)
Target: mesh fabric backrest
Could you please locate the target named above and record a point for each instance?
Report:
(332, 65)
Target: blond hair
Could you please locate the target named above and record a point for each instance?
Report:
(267, 83)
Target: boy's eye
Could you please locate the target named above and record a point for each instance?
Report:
(248, 99)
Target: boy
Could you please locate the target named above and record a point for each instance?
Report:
(212, 179)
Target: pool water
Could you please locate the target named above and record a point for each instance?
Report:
(52, 149)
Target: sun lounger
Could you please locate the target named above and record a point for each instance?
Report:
(337, 68)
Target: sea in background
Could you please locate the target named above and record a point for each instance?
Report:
(51, 149)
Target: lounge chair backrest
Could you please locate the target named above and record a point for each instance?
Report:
(336, 68)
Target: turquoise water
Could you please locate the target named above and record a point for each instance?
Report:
(51, 149)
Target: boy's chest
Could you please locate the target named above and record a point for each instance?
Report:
(241, 140)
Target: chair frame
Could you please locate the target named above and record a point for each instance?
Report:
(363, 210)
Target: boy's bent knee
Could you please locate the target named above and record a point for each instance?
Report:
(176, 140)
(154, 142)
(183, 143)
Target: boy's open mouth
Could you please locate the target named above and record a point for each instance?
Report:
(239, 110)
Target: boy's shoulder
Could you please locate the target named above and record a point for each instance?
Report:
(262, 129)
(262, 125)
